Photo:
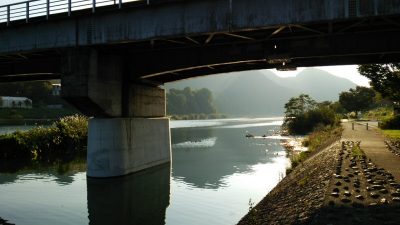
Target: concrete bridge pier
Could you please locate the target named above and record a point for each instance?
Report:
(129, 131)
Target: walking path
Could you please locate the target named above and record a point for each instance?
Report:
(372, 143)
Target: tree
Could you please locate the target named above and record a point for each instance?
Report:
(385, 79)
(303, 115)
(188, 101)
(357, 99)
(299, 105)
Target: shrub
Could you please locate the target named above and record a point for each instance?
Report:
(390, 123)
(66, 138)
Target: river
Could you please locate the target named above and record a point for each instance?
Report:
(215, 172)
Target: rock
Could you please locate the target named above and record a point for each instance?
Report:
(396, 199)
(337, 176)
(396, 194)
(377, 187)
(336, 190)
(356, 185)
(346, 188)
(378, 182)
(383, 201)
(374, 195)
(373, 204)
(383, 191)
(345, 200)
(347, 193)
(370, 181)
(357, 190)
(338, 183)
(359, 197)
(351, 175)
(335, 194)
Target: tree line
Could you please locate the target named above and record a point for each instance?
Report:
(188, 101)
(303, 114)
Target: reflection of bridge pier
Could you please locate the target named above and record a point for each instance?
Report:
(136, 199)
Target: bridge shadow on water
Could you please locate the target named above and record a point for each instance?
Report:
(140, 198)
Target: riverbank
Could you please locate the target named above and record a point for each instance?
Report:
(299, 148)
(345, 183)
(65, 139)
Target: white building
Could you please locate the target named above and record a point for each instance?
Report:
(56, 91)
(15, 102)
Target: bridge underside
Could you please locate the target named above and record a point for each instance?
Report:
(156, 61)
(111, 64)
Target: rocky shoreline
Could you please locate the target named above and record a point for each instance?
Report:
(337, 185)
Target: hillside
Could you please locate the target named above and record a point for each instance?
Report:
(263, 93)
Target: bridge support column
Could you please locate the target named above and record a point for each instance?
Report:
(119, 146)
(129, 131)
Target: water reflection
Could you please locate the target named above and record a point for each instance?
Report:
(203, 157)
(135, 199)
(61, 172)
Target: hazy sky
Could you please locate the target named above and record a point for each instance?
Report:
(348, 72)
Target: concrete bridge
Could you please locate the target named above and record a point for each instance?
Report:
(112, 55)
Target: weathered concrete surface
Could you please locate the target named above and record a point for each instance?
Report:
(96, 84)
(121, 146)
(183, 18)
(147, 101)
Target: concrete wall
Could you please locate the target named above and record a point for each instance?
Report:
(120, 146)
(183, 18)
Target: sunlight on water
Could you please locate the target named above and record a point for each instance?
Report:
(274, 123)
(205, 143)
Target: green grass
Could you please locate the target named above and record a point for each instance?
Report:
(380, 113)
(316, 141)
(392, 133)
(357, 152)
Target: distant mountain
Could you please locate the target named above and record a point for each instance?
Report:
(263, 93)
(319, 84)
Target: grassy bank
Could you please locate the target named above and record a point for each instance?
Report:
(392, 133)
(315, 141)
(64, 139)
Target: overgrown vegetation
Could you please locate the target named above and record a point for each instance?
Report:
(379, 113)
(385, 79)
(64, 139)
(315, 141)
(357, 152)
(303, 115)
(395, 134)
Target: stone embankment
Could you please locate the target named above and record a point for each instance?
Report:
(341, 184)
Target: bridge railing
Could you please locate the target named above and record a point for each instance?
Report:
(36, 8)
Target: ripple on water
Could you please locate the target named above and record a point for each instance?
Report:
(205, 143)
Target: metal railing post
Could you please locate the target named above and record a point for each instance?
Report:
(47, 9)
(27, 12)
(119, 4)
(8, 15)
(148, 2)
(69, 7)
(94, 6)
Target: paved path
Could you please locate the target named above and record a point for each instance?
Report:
(372, 143)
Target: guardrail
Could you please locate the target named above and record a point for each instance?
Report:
(35, 8)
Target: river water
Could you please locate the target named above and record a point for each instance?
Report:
(215, 172)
